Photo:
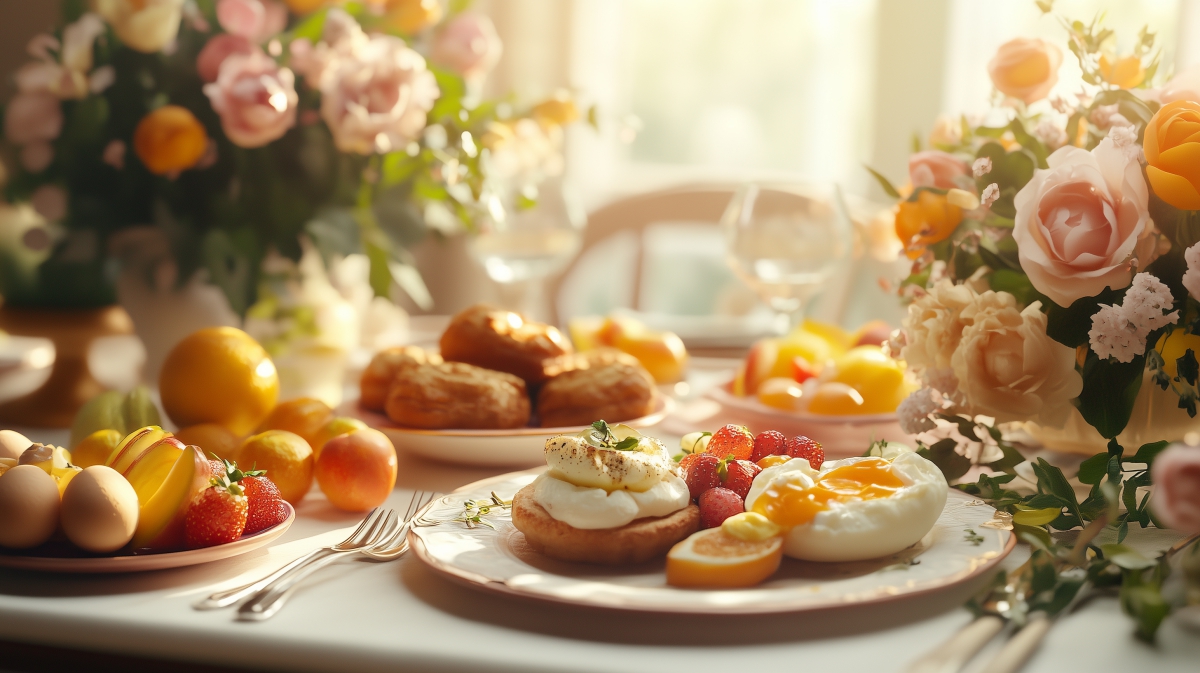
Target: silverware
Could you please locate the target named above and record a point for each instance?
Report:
(367, 533)
(393, 545)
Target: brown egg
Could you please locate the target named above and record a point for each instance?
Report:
(99, 510)
(29, 507)
(13, 444)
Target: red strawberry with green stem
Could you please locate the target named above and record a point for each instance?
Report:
(732, 439)
(265, 507)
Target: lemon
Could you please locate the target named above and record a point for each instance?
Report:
(877, 377)
(286, 457)
(1174, 346)
(219, 375)
(96, 448)
(836, 399)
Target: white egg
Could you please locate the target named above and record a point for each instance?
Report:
(29, 505)
(13, 444)
(855, 530)
(99, 510)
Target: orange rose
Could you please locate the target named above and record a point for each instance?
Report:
(1126, 72)
(304, 6)
(1172, 146)
(410, 17)
(557, 111)
(929, 219)
(1025, 68)
(169, 139)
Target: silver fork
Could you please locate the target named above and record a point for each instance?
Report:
(368, 532)
(271, 599)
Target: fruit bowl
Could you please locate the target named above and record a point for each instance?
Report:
(841, 436)
(66, 558)
(520, 447)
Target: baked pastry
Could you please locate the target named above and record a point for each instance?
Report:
(614, 387)
(609, 498)
(383, 369)
(444, 395)
(502, 340)
(636, 542)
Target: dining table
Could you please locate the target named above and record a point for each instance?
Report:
(361, 616)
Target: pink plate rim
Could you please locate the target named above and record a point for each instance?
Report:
(145, 562)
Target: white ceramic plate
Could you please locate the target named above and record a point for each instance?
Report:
(499, 560)
(841, 436)
(521, 447)
(129, 562)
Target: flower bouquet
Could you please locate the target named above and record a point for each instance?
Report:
(234, 128)
(1055, 247)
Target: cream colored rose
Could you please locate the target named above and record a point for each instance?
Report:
(933, 328)
(1008, 367)
(144, 25)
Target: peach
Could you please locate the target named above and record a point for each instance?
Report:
(357, 471)
(338, 425)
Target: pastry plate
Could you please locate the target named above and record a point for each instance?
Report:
(521, 447)
(959, 548)
(841, 436)
(72, 560)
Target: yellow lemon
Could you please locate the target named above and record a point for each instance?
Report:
(96, 448)
(1174, 346)
(219, 375)
(286, 457)
(836, 399)
(304, 416)
(780, 393)
(879, 378)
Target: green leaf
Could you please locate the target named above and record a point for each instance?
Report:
(916, 142)
(1013, 282)
(379, 276)
(1109, 391)
(1147, 453)
(1070, 325)
(948, 461)
(1029, 142)
(627, 444)
(1035, 536)
(1187, 368)
(1148, 608)
(1092, 470)
(1126, 557)
(884, 183)
(1050, 479)
(1036, 517)
(311, 27)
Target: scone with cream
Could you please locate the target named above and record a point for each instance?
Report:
(609, 496)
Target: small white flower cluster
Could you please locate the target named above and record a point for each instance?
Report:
(1191, 277)
(914, 412)
(1120, 331)
(981, 167)
(990, 194)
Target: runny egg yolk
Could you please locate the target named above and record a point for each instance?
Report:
(790, 504)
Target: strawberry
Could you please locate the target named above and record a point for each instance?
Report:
(216, 516)
(702, 474)
(718, 504)
(265, 507)
(769, 443)
(810, 449)
(731, 440)
(739, 475)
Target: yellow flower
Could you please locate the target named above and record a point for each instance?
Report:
(143, 25)
(1172, 146)
(1123, 72)
(412, 16)
(928, 220)
(557, 111)
(169, 139)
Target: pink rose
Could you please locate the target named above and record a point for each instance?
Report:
(1080, 222)
(1175, 498)
(935, 168)
(32, 117)
(1185, 85)
(468, 45)
(219, 48)
(255, 98)
(255, 20)
(376, 99)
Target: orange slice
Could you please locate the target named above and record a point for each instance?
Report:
(714, 558)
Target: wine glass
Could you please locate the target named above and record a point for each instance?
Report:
(528, 237)
(785, 244)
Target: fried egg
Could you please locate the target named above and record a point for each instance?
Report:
(851, 509)
(575, 461)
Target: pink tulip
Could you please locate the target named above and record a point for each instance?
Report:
(1176, 495)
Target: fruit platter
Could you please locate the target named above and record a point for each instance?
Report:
(733, 523)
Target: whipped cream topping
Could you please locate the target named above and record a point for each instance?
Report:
(588, 507)
(641, 468)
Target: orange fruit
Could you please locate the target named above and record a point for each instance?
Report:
(304, 416)
(715, 558)
(96, 448)
(338, 425)
(219, 375)
(836, 399)
(211, 438)
(285, 456)
(357, 471)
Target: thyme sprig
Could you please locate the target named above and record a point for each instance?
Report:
(475, 511)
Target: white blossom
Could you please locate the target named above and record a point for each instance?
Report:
(981, 167)
(1145, 301)
(990, 194)
(915, 410)
(1112, 335)
(1191, 278)
(1120, 331)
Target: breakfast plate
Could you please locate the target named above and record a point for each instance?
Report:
(963, 544)
(841, 436)
(493, 448)
(69, 559)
